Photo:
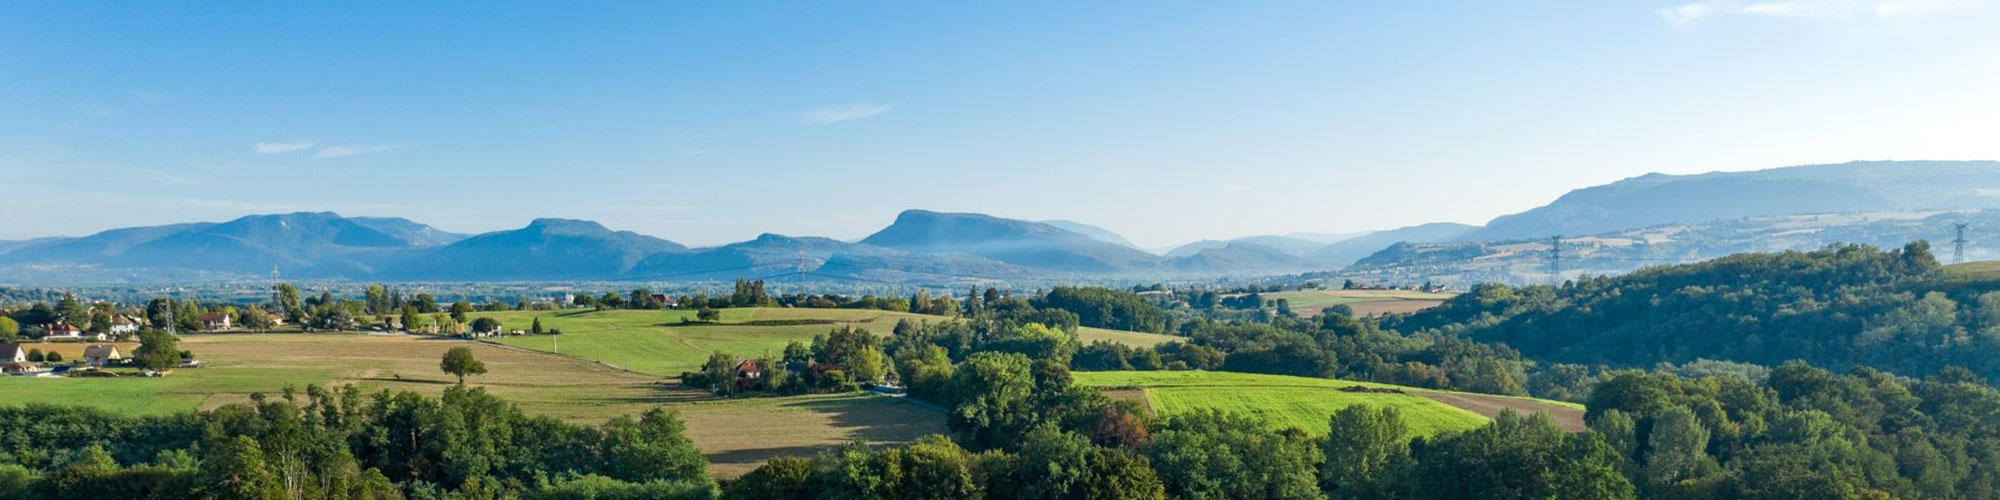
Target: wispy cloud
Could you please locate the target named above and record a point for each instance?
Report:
(271, 148)
(346, 150)
(842, 113)
(1682, 15)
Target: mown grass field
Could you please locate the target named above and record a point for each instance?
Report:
(1364, 302)
(1306, 403)
(74, 350)
(654, 342)
(737, 434)
(1985, 269)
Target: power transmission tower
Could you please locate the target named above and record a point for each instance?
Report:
(1958, 243)
(1555, 260)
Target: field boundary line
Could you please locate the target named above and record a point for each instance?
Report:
(546, 353)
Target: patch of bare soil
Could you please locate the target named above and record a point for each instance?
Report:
(1392, 306)
(1130, 394)
(1491, 406)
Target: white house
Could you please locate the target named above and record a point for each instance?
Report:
(122, 325)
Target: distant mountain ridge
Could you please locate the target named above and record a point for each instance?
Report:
(920, 246)
(1345, 252)
(1097, 233)
(305, 242)
(1655, 199)
(1294, 246)
(547, 249)
(940, 247)
(1018, 242)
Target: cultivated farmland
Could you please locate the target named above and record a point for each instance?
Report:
(571, 389)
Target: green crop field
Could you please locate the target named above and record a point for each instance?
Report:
(737, 434)
(654, 342)
(1306, 403)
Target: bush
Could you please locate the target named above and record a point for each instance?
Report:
(837, 381)
(595, 487)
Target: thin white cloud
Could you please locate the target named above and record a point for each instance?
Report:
(271, 148)
(1683, 14)
(346, 150)
(845, 112)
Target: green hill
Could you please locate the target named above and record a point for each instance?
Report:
(1305, 403)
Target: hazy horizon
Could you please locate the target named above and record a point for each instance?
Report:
(1184, 121)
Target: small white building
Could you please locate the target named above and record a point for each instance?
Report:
(122, 325)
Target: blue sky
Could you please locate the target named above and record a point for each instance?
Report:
(1164, 121)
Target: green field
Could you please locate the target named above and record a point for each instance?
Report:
(654, 342)
(1304, 403)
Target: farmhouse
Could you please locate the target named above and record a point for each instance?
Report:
(63, 331)
(215, 321)
(747, 372)
(102, 355)
(13, 353)
(21, 367)
(666, 301)
(122, 325)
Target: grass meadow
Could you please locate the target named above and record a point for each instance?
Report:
(655, 342)
(1305, 403)
(1364, 302)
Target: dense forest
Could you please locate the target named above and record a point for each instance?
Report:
(1023, 431)
(341, 444)
(1838, 307)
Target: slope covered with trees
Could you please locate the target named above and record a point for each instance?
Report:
(1838, 307)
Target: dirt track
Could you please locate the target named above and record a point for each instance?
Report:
(1490, 406)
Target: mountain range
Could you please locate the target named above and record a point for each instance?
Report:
(929, 247)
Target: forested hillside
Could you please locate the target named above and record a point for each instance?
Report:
(1838, 307)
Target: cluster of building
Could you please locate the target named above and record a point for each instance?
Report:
(121, 325)
(14, 359)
